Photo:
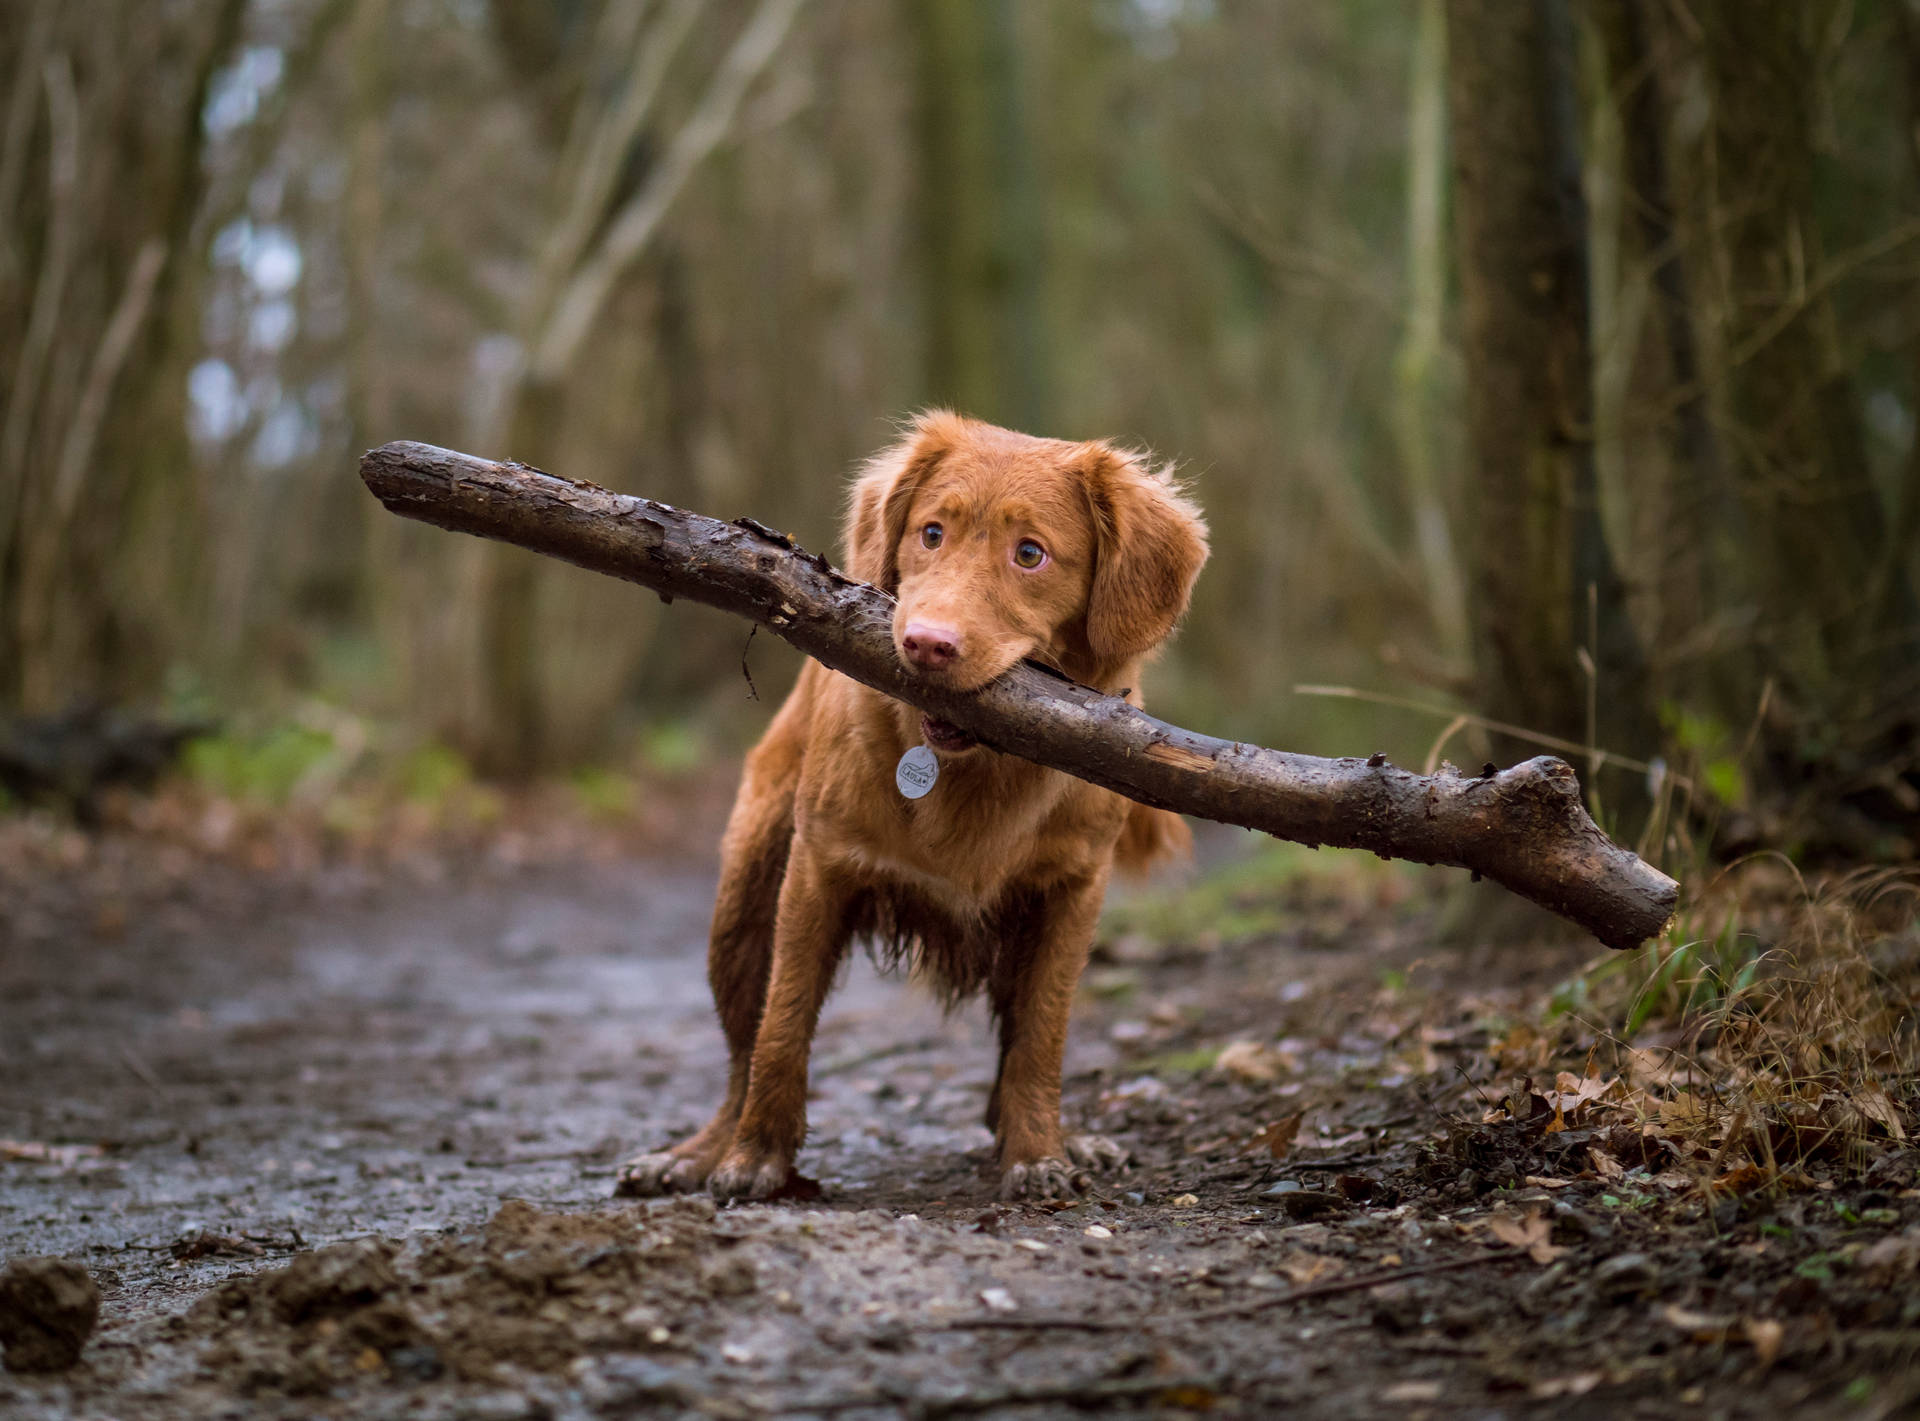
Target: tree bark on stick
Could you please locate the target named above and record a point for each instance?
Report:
(1525, 828)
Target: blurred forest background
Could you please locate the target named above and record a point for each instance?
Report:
(1540, 363)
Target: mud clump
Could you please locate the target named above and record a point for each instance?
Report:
(334, 1281)
(533, 1291)
(48, 1308)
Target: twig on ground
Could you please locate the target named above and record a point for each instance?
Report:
(1358, 1283)
(131, 1060)
(854, 1061)
(1096, 1392)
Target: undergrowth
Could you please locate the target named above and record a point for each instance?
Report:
(1773, 1024)
(318, 783)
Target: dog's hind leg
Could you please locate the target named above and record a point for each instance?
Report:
(753, 861)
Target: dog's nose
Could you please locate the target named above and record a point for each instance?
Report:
(928, 645)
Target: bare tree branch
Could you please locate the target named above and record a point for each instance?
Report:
(634, 225)
(603, 145)
(83, 432)
(63, 180)
(1524, 827)
(19, 124)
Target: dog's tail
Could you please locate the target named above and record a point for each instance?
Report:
(1151, 836)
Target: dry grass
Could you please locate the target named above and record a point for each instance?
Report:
(1772, 1030)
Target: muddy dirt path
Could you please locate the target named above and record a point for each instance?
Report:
(356, 1148)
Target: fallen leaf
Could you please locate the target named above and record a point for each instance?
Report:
(1336, 1142)
(1655, 1065)
(1144, 1089)
(1184, 1201)
(1189, 1396)
(1579, 1384)
(1743, 1180)
(1604, 1164)
(1521, 1049)
(1573, 1090)
(66, 1156)
(1249, 1061)
(1699, 1326)
(1892, 1257)
(1411, 1391)
(1530, 1233)
(1304, 1269)
(1276, 1137)
(999, 1300)
(1684, 1109)
(1877, 1106)
(1542, 1181)
(1766, 1335)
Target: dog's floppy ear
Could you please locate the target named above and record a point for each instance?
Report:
(1150, 542)
(883, 493)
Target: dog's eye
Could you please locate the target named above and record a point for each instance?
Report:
(931, 535)
(1029, 554)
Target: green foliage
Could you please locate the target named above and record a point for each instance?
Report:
(1818, 1267)
(674, 747)
(1180, 1063)
(605, 793)
(1707, 742)
(1677, 976)
(267, 767)
(1630, 1200)
(1253, 897)
(432, 773)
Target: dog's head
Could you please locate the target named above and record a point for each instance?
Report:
(1000, 546)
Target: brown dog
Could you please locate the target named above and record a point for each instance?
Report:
(997, 546)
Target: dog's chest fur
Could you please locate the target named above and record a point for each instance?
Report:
(957, 883)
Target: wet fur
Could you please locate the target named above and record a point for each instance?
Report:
(992, 883)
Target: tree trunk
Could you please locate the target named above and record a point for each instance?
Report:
(509, 650)
(599, 236)
(1893, 579)
(101, 176)
(1542, 586)
(1524, 827)
(981, 217)
(1797, 449)
(1685, 525)
(1416, 404)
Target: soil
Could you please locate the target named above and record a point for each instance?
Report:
(339, 1141)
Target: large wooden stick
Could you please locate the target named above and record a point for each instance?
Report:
(1524, 827)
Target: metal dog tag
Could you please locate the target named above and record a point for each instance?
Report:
(917, 771)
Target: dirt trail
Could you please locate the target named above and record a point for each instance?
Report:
(357, 1147)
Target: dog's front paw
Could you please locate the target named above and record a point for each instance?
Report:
(1044, 1179)
(644, 1176)
(749, 1174)
(1097, 1152)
